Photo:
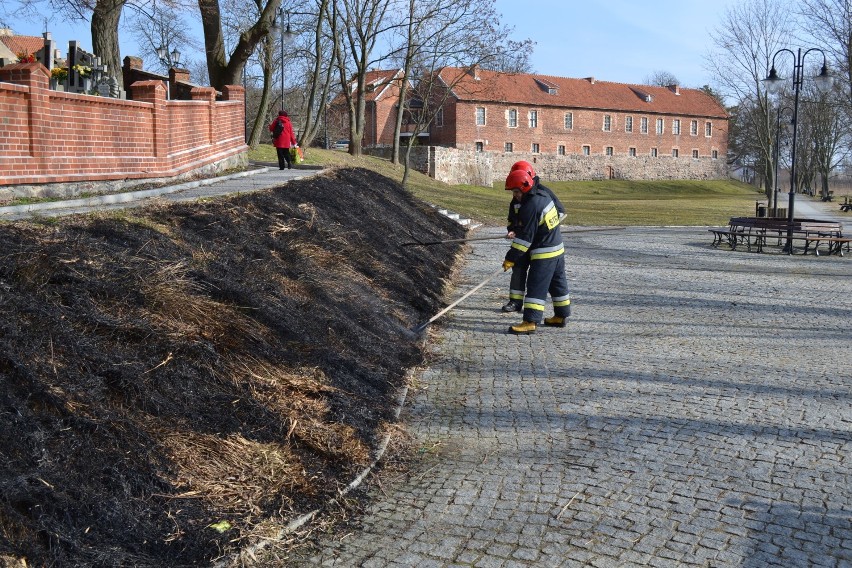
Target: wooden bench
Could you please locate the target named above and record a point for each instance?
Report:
(835, 244)
(755, 231)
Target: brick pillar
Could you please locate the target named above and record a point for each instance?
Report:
(37, 78)
(131, 64)
(154, 92)
(237, 93)
(207, 94)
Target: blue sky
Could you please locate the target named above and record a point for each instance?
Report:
(624, 41)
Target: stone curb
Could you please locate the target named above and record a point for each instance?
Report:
(126, 196)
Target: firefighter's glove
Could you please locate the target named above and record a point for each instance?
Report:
(507, 264)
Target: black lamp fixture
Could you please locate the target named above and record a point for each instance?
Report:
(168, 59)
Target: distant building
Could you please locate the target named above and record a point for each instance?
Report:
(570, 128)
(535, 114)
(11, 45)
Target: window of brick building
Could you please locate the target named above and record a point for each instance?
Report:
(513, 118)
(560, 149)
(628, 124)
(607, 123)
(608, 150)
(659, 126)
(676, 127)
(535, 148)
(480, 116)
(653, 152)
(693, 128)
(480, 147)
(643, 125)
(675, 153)
(695, 154)
(587, 150)
(509, 147)
(569, 121)
(631, 152)
(439, 118)
(714, 154)
(708, 129)
(533, 119)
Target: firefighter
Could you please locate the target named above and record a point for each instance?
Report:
(539, 237)
(518, 281)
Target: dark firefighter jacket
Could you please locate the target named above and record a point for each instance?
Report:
(515, 207)
(538, 227)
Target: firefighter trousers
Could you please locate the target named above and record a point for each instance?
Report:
(545, 276)
(518, 281)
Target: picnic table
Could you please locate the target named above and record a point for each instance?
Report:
(756, 232)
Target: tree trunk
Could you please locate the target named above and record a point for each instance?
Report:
(259, 126)
(105, 18)
(318, 89)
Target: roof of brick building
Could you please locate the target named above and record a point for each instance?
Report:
(480, 85)
(19, 44)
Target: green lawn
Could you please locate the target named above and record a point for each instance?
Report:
(589, 203)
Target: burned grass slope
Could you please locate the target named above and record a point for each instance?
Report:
(169, 368)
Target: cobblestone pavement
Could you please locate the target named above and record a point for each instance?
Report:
(696, 412)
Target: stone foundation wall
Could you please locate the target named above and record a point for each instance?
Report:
(457, 167)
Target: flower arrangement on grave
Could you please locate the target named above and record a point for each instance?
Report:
(26, 57)
(82, 70)
(59, 74)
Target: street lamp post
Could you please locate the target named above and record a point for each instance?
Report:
(773, 84)
(287, 37)
(169, 60)
(777, 154)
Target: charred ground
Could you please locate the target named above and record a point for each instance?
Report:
(167, 368)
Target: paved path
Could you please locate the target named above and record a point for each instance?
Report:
(696, 412)
(243, 182)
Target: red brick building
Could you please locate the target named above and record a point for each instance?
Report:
(536, 114)
(381, 99)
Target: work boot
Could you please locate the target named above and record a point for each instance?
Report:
(512, 306)
(556, 321)
(524, 328)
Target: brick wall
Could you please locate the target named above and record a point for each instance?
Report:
(51, 137)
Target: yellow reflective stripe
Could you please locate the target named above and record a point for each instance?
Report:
(543, 255)
(537, 307)
(520, 247)
(562, 303)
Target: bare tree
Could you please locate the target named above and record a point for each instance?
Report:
(830, 22)
(319, 68)
(824, 136)
(104, 17)
(661, 79)
(449, 33)
(225, 66)
(355, 27)
(454, 33)
(164, 26)
(745, 42)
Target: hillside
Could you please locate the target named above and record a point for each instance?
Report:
(174, 371)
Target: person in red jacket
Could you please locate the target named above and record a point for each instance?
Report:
(284, 141)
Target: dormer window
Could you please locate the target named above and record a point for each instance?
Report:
(547, 87)
(642, 95)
